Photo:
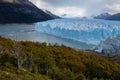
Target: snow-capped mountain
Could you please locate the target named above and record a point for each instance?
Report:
(102, 16)
(114, 17)
(51, 14)
(109, 46)
(21, 11)
(107, 16)
(90, 31)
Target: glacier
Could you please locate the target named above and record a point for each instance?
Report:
(109, 46)
(90, 31)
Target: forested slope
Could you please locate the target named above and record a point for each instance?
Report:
(39, 61)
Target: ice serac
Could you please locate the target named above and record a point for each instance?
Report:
(90, 31)
(109, 46)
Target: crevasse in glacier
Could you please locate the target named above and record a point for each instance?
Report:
(90, 31)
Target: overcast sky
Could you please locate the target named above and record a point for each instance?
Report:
(75, 8)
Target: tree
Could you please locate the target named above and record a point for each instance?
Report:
(16, 52)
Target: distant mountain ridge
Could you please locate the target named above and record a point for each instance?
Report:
(108, 16)
(102, 16)
(21, 11)
(114, 17)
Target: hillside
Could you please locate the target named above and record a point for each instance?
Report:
(39, 61)
(21, 11)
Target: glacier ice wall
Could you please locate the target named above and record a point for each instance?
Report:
(109, 46)
(90, 31)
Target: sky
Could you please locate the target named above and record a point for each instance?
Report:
(79, 8)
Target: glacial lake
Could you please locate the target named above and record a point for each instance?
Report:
(27, 32)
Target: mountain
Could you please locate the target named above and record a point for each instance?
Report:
(114, 17)
(64, 15)
(51, 14)
(110, 46)
(21, 11)
(102, 16)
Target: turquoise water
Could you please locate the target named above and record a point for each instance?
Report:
(27, 32)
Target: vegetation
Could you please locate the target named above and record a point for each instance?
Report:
(41, 61)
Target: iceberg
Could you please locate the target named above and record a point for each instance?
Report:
(90, 31)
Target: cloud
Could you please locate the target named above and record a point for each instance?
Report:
(79, 7)
(71, 11)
